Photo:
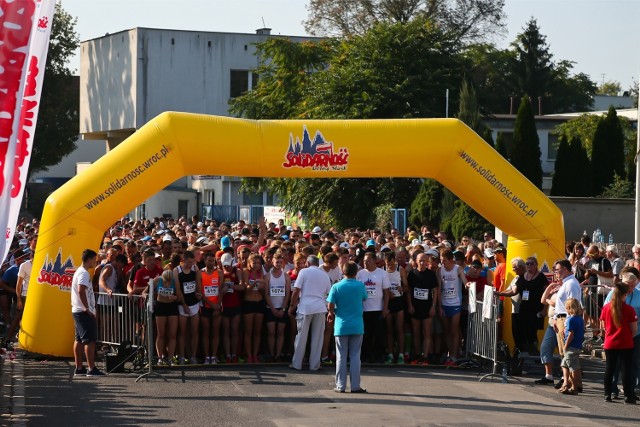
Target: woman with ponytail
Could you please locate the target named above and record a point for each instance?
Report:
(620, 324)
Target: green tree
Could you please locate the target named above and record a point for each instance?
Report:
(464, 221)
(490, 70)
(620, 188)
(610, 88)
(469, 20)
(426, 208)
(563, 171)
(525, 154)
(533, 67)
(581, 166)
(468, 111)
(487, 135)
(568, 93)
(501, 145)
(57, 128)
(582, 127)
(607, 158)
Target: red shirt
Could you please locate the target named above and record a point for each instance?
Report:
(499, 274)
(143, 275)
(618, 338)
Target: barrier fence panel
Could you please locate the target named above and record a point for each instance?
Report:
(592, 301)
(482, 335)
(121, 319)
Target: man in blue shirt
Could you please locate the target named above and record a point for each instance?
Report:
(345, 311)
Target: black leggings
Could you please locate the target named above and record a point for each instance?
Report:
(624, 359)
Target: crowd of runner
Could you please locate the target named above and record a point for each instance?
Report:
(231, 292)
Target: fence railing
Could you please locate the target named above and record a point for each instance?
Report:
(121, 319)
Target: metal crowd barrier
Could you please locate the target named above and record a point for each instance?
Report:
(482, 336)
(121, 319)
(592, 300)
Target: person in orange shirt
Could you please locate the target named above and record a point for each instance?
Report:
(213, 288)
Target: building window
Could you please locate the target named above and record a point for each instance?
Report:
(241, 81)
(552, 146)
(183, 208)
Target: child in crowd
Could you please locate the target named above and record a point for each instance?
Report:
(573, 337)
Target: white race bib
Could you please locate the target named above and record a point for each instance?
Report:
(395, 289)
(449, 293)
(277, 291)
(189, 287)
(229, 287)
(371, 291)
(421, 294)
(211, 291)
(165, 292)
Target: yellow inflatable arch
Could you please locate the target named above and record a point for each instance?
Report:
(177, 144)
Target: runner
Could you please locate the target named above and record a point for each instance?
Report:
(213, 287)
(422, 302)
(395, 319)
(277, 295)
(232, 302)
(451, 280)
(253, 306)
(166, 315)
(189, 295)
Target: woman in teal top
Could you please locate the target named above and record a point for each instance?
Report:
(345, 311)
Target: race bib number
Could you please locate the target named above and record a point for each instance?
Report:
(525, 295)
(211, 291)
(371, 291)
(395, 289)
(449, 293)
(165, 292)
(421, 294)
(229, 287)
(277, 291)
(189, 287)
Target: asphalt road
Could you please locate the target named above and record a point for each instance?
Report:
(43, 392)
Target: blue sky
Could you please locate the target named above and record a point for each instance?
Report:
(600, 36)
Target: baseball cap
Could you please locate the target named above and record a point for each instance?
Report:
(458, 255)
(344, 245)
(488, 253)
(415, 242)
(243, 248)
(476, 263)
(226, 259)
(167, 238)
(225, 242)
(385, 248)
(316, 229)
(370, 242)
(146, 238)
(498, 249)
(202, 240)
(432, 252)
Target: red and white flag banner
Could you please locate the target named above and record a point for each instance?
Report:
(25, 27)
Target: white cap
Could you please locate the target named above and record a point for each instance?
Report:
(23, 242)
(200, 224)
(344, 245)
(167, 238)
(316, 229)
(415, 242)
(226, 259)
(202, 240)
(488, 253)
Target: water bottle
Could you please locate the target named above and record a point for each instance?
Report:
(504, 373)
(599, 235)
(611, 239)
(594, 236)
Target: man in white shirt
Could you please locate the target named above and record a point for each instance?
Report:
(377, 284)
(309, 296)
(83, 309)
(570, 289)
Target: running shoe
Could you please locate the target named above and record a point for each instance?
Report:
(241, 360)
(418, 360)
(326, 361)
(400, 359)
(80, 372)
(95, 372)
(214, 360)
(544, 381)
(174, 361)
(193, 361)
(181, 361)
(389, 359)
(207, 360)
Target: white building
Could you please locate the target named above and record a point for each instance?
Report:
(128, 78)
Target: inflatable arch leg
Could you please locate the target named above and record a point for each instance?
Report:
(177, 144)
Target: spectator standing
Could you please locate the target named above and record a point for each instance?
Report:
(620, 324)
(345, 312)
(308, 297)
(83, 309)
